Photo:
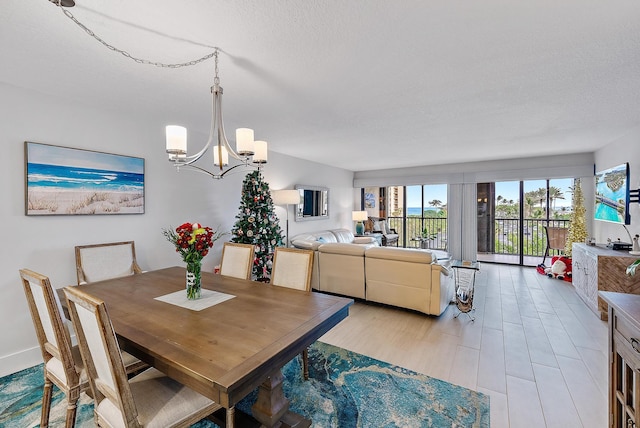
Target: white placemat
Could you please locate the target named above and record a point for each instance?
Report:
(207, 299)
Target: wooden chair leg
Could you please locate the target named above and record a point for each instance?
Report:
(305, 363)
(72, 406)
(70, 421)
(46, 403)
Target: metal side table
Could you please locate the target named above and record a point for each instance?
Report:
(465, 285)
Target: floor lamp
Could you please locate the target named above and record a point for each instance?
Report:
(286, 198)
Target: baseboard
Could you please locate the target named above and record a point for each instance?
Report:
(12, 363)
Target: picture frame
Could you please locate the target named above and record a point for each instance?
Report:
(69, 181)
(369, 200)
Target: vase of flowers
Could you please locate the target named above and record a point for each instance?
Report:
(192, 242)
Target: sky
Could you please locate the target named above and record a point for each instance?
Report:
(66, 156)
(509, 190)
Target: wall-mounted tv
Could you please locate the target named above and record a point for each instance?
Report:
(612, 195)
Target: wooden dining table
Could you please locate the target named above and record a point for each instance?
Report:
(223, 351)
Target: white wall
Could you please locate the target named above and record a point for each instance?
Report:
(46, 243)
(624, 149)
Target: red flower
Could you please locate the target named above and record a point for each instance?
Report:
(192, 240)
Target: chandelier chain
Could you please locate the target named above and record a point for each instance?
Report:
(216, 79)
(138, 60)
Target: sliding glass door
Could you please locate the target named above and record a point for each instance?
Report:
(418, 213)
(512, 216)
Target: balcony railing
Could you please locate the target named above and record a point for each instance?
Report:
(507, 234)
(435, 226)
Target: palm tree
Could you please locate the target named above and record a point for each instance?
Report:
(555, 194)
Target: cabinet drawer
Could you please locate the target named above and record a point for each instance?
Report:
(628, 330)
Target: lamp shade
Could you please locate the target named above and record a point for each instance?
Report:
(260, 152)
(176, 139)
(244, 141)
(285, 197)
(359, 215)
(216, 155)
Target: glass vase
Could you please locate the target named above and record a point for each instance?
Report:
(194, 280)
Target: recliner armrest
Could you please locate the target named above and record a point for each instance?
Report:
(444, 269)
(364, 240)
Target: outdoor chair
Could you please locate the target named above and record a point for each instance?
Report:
(149, 399)
(556, 239)
(292, 268)
(98, 262)
(237, 260)
(380, 225)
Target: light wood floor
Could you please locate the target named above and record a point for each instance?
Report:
(534, 348)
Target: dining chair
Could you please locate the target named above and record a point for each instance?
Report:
(237, 260)
(98, 262)
(62, 363)
(149, 399)
(292, 268)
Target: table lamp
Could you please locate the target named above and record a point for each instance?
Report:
(286, 198)
(359, 217)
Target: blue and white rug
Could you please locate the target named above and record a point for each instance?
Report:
(345, 389)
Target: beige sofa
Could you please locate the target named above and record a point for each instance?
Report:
(403, 277)
(313, 240)
(408, 278)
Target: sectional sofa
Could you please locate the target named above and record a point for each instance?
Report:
(356, 267)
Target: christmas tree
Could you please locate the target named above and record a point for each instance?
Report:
(258, 224)
(578, 225)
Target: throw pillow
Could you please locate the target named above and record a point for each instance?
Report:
(383, 227)
(376, 226)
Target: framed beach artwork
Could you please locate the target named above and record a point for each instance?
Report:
(68, 181)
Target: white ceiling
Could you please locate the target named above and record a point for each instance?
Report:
(361, 85)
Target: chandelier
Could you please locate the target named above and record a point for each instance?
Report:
(248, 151)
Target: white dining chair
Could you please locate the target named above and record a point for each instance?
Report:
(292, 268)
(149, 399)
(62, 363)
(97, 262)
(237, 260)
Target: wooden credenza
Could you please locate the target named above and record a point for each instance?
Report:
(597, 268)
(624, 359)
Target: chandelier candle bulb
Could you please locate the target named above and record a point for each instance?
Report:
(176, 139)
(225, 155)
(244, 141)
(260, 152)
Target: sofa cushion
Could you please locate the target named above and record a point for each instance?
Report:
(401, 254)
(311, 241)
(342, 235)
(344, 248)
(306, 245)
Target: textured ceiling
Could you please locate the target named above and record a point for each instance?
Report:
(359, 84)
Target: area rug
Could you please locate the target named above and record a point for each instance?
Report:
(345, 389)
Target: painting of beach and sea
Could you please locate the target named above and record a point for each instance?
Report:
(612, 195)
(67, 181)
